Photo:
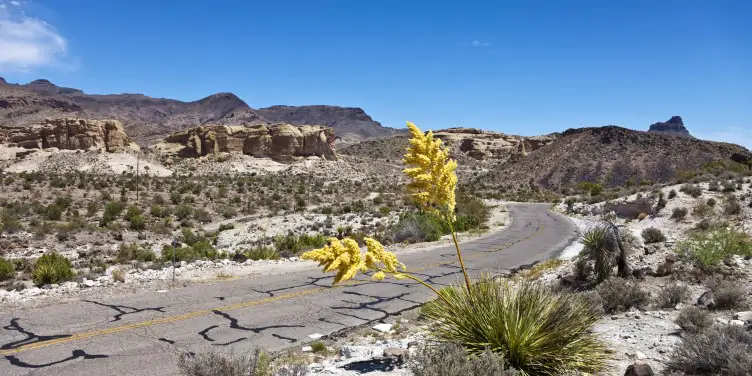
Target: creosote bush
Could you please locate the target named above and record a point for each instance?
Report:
(693, 319)
(51, 268)
(672, 294)
(725, 350)
(215, 363)
(653, 235)
(453, 360)
(678, 214)
(7, 270)
(727, 294)
(619, 295)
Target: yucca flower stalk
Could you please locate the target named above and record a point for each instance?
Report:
(432, 186)
(433, 180)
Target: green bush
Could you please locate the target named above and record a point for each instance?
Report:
(111, 212)
(262, 253)
(159, 211)
(731, 206)
(290, 245)
(692, 190)
(53, 212)
(672, 294)
(537, 330)
(9, 221)
(134, 251)
(707, 249)
(453, 360)
(7, 270)
(653, 235)
(51, 268)
(215, 363)
(137, 223)
(200, 250)
(419, 227)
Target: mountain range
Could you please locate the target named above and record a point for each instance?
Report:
(147, 120)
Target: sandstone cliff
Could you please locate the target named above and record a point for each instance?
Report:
(482, 145)
(281, 142)
(69, 134)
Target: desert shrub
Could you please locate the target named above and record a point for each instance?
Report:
(318, 347)
(702, 210)
(471, 213)
(418, 227)
(671, 295)
(678, 214)
(706, 249)
(200, 250)
(203, 215)
(53, 212)
(262, 253)
(619, 295)
(711, 202)
(290, 245)
(225, 227)
(453, 360)
(7, 270)
(51, 268)
(661, 204)
(693, 319)
(723, 350)
(134, 251)
(672, 194)
(692, 190)
(137, 223)
(727, 294)
(629, 210)
(111, 212)
(118, 275)
(159, 211)
(183, 212)
(714, 186)
(535, 329)
(731, 206)
(214, 363)
(9, 221)
(653, 235)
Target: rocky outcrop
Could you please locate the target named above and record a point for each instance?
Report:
(281, 142)
(482, 145)
(675, 125)
(69, 134)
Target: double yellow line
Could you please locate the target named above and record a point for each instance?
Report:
(203, 312)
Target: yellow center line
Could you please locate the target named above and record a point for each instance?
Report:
(203, 312)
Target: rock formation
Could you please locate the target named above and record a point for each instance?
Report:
(675, 125)
(482, 145)
(281, 142)
(69, 134)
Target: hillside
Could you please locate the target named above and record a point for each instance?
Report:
(351, 124)
(147, 120)
(612, 155)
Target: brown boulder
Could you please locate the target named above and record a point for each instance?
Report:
(281, 142)
(482, 145)
(70, 134)
(639, 369)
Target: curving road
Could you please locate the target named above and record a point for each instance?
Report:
(140, 334)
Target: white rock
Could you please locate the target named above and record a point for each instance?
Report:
(744, 316)
(383, 327)
(361, 352)
(641, 356)
(315, 336)
(88, 283)
(306, 349)
(736, 323)
(721, 321)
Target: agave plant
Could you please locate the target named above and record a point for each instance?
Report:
(602, 245)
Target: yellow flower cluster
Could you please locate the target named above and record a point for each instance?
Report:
(432, 173)
(345, 258)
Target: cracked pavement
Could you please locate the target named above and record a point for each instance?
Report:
(142, 333)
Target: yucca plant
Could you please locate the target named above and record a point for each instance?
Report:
(537, 330)
(51, 268)
(603, 247)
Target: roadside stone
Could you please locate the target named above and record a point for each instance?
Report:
(88, 283)
(639, 369)
(721, 321)
(361, 352)
(306, 349)
(383, 327)
(736, 323)
(315, 336)
(395, 352)
(706, 300)
(744, 316)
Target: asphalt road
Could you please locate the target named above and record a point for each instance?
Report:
(141, 334)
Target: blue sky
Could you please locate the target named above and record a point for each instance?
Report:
(521, 67)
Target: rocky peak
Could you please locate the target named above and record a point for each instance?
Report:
(675, 125)
(2, 81)
(346, 121)
(46, 87)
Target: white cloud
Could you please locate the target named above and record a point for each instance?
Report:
(477, 43)
(27, 42)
